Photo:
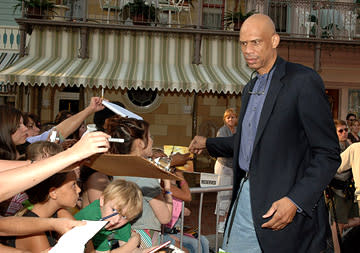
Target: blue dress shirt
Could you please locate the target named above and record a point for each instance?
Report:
(251, 118)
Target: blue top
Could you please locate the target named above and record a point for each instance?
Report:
(251, 118)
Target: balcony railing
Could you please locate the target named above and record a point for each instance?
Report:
(319, 19)
(326, 20)
(9, 38)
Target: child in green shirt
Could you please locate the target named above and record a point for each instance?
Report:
(124, 200)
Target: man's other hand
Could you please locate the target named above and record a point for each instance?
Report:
(283, 212)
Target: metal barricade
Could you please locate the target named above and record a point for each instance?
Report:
(203, 190)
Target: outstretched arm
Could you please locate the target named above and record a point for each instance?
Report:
(8, 249)
(11, 164)
(197, 145)
(217, 147)
(17, 226)
(221, 146)
(69, 125)
(32, 174)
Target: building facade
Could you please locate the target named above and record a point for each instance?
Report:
(176, 63)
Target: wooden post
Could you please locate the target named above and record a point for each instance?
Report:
(317, 56)
(84, 40)
(22, 28)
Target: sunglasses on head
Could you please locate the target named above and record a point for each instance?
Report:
(342, 130)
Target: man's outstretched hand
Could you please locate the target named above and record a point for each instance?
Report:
(197, 145)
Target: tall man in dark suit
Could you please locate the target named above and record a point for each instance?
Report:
(285, 152)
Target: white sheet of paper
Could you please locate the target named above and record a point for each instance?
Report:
(74, 240)
(208, 179)
(120, 110)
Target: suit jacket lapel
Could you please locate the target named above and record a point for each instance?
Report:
(274, 89)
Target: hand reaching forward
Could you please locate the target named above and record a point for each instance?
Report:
(96, 104)
(283, 212)
(90, 144)
(179, 159)
(198, 144)
(62, 225)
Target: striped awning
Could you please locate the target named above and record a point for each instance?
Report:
(7, 58)
(129, 60)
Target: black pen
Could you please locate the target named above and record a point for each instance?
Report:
(109, 216)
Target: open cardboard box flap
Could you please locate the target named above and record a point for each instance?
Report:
(128, 165)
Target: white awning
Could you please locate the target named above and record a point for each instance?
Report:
(130, 60)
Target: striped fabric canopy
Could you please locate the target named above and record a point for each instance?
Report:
(7, 58)
(129, 60)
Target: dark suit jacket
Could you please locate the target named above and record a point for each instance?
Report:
(295, 154)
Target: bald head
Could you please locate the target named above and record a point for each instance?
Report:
(259, 41)
(259, 22)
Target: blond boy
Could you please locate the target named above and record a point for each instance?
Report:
(122, 200)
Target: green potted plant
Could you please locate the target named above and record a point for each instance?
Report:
(140, 12)
(330, 31)
(236, 18)
(36, 8)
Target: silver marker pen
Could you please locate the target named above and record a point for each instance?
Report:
(119, 140)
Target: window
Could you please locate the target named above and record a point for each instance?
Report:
(142, 97)
(76, 9)
(212, 18)
(213, 14)
(65, 100)
(278, 13)
(354, 101)
(141, 100)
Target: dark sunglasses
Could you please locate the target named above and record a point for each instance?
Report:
(342, 130)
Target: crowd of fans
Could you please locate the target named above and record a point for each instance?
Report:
(341, 194)
(47, 186)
